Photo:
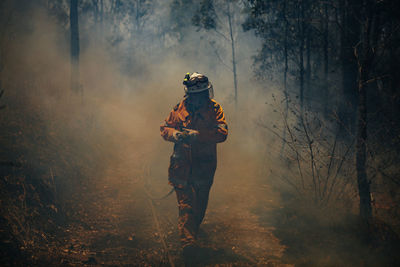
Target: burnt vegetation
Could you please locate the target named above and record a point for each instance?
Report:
(315, 82)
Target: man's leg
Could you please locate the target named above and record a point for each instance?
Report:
(187, 224)
(202, 193)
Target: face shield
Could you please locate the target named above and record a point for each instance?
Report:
(196, 83)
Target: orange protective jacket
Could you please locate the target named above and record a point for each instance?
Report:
(195, 163)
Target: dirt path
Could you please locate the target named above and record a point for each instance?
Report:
(114, 225)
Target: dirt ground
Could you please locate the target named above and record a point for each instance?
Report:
(107, 218)
(113, 221)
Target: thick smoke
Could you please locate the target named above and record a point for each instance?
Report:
(108, 137)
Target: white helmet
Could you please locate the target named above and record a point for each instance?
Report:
(196, 83)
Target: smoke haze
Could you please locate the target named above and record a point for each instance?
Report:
(103, 148)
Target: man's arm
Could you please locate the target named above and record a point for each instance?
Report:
(219, 133)
(168, 129)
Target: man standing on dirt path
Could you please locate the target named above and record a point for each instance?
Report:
(195, 125)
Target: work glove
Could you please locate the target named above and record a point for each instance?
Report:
(190, 136)
(178, 136)
(187, 136)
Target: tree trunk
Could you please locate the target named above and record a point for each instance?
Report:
(285, 71)
(361, 154)
(326, 59)
(301, 25)
(349, 37)
(308, 60)
(364, 55)
(96, 15)
(101, 15)
(394, 78)
(233, 53)
(96, 12)
(74, 26)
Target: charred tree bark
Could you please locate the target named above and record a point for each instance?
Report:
(361, 148)
(301, 26)
(285, 71)
(308, 61)
(326, 58)
(394, 79)
(349, 37)
(74, 26)
(364, 55)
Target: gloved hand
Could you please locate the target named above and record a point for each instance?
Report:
(190, 136)
(187, 136)
(178, 136)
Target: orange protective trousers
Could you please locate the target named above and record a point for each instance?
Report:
(192, 204)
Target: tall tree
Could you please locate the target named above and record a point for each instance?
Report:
(229, 14)
(301, 25)
(181, 15)
(285, 27)
(74, 28)
(365, 56)
(349, 37)
(220, 17)
(325, 51)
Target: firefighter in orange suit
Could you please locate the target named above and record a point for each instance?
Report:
(195, 126)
